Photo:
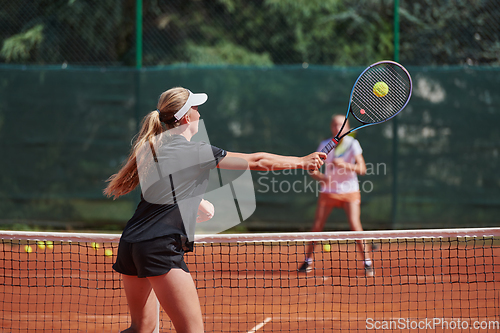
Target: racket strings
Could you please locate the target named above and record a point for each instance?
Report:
(381, 108)
(368, 107)
(384, 112)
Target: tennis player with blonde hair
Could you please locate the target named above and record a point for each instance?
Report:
(152, 246)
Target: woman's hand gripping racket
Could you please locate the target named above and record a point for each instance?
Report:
(379, 93)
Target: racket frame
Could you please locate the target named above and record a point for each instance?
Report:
(336, 139)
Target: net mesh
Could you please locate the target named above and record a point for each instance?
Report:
(439, 279)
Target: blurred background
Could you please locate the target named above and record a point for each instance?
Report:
(77, 77)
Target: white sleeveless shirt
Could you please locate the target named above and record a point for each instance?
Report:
(341, 180)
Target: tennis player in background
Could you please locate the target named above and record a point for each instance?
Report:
(152, 246)
(340, 189)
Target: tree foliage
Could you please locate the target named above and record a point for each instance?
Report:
(450, 33)
(87, 32)
(257, 32)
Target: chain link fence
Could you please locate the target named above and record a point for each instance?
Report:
(66, 32)
(458, 32)
(237, 32)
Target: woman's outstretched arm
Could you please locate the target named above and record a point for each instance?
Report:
(267, 161)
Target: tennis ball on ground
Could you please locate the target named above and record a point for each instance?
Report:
(108, 252)
(380, 89)
(41, 245)
(49, 244)
(326, 247)
(28, 249)
(94, 245)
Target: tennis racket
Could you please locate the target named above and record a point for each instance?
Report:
(379, 94)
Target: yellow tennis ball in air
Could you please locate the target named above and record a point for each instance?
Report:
(326, 248)
(28, 249)
(108, 252)
(380, 89)
(94, 245)
(41, 245)
(49, 244)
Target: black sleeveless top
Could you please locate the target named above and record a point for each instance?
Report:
(179, 177)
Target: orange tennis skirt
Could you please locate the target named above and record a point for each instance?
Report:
(338, 199)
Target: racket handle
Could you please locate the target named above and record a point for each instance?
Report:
(329, 146)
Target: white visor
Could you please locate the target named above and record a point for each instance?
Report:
(193, 100)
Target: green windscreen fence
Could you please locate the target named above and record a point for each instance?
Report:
(64, 132)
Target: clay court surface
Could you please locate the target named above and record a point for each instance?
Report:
(256, 288)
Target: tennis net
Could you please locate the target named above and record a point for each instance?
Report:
(425, 280)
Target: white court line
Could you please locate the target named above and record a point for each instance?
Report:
(258, 327)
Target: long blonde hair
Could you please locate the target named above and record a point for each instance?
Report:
(127, 179)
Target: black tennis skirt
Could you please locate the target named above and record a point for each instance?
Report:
(152, 257)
